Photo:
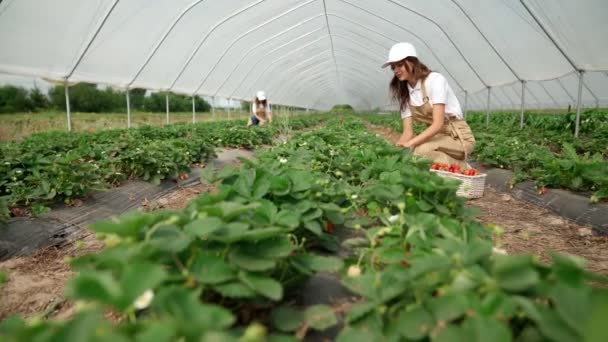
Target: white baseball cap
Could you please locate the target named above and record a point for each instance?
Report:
(399, 52)
(261, 95)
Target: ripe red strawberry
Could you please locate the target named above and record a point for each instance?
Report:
(405, 263)
(329, 227)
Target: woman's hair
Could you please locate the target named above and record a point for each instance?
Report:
(398, 89)
(257, 105)
(258, 102)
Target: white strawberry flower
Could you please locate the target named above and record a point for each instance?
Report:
(283, 160)
(354, 197)
(354, 271)
(496, 250)
(393, 218)
(144, 300)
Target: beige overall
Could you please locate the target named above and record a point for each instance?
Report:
(452, 145)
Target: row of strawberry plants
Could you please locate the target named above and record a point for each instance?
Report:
(425, 269)
(60, 166)
(552, 158)
(427, 274)
(241, 248)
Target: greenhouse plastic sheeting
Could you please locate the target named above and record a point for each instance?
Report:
(314, 53)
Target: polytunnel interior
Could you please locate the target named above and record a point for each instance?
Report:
(315, 53)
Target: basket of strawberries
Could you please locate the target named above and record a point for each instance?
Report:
(472, 182)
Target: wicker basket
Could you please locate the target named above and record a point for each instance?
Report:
(470, 186)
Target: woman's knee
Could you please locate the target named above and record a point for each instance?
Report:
(424, 149)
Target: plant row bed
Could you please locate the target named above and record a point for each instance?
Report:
(225, 268)
(544, 151)
(52, 167)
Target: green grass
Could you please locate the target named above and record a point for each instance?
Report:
(18, 126)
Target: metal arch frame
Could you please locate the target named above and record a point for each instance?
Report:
(240, 84)
(326, 83)
(86, 49)
(403, 28)
(360, 45)
(319, 98)
(77, 63)
(570, 60)
(565, 90)
(595, 97)
(541, 84)
(499, 99)
(206, 36)
(323, 87)
(311, 76)
(507, 97)
(162, 40)
(551, 38)
(266, 41)
(333, 54)
(531, 93)
(362, 37)
(273, 51)
(531, 84)
(318, 75)
(487, 41)
(525, 89)
(270, 84)
(514, 100)
(282, 60)
(446, 35)
(360, 96)
(331, 41)
(245, 34)
(317, 55)
(346, 38)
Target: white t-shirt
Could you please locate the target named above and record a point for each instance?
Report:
(268, 109)
(439, 91)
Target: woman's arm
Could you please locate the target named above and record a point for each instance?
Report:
(434, 128)
(261, 118)
(408, 131)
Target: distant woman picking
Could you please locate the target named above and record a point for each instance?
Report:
(261, 112)
(425, 96)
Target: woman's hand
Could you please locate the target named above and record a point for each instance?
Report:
(401, 142)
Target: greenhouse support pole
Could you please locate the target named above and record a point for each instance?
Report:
(579, 103)
(193, 110)
(67, 104)
(466, 103)
(167, 106)
(128, 109)
(229, 108)
(488, 108)
(523, 104)
(213, 107)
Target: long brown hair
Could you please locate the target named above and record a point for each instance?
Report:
(257, 102)
(398, 89)
(257, 105)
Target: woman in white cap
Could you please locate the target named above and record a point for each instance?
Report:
(425, 96)
(260, 110)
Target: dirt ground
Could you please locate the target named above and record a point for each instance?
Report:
(531, 229)
(36, 283)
